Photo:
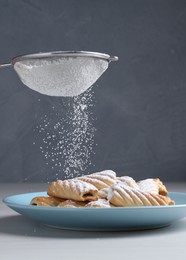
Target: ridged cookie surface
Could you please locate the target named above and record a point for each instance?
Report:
(125, 196)
(127, 180)
(73, 189)
(100, 180)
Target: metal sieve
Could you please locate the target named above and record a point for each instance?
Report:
(61, 73)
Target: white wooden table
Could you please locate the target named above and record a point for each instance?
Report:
(21, 238)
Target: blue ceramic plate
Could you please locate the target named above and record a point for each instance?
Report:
(102, 219)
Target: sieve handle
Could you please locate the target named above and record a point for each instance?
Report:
(5, 65)
(113, 58)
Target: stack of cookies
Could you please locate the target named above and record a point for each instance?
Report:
(104, 190)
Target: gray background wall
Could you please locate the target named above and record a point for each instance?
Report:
(140, 101)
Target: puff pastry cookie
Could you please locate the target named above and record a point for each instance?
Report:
(100, 203)
(100, 180)
(153, 186)
(103, 193)
(45, 201)
(73, 189)
(72, 204)
(125, 196)
(128, 181)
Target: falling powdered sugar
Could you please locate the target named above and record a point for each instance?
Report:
(67, 135)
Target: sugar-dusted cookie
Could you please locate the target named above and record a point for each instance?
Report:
(128, 181)
(72, 204)
(103, 193)
(73, 189)
(153, 186)
(125, 196)
(100, 203)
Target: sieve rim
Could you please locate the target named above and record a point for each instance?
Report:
(42, 55)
